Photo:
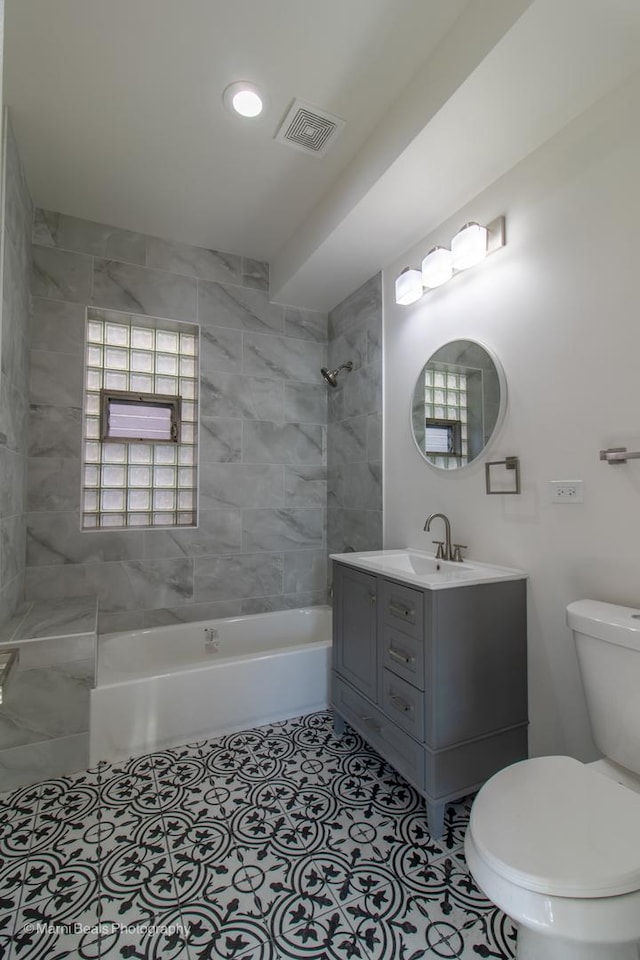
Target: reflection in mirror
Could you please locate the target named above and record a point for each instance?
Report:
(457, 403)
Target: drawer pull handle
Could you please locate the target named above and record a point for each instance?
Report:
(370, 722)
(399, 703)
(398, 611)
(372, 597)
(400, 657)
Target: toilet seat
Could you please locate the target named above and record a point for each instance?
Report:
(553, 826)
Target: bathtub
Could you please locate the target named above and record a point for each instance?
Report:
(166, 686)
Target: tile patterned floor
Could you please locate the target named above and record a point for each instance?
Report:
(280, 842)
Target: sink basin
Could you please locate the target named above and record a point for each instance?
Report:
(419, 567)
(408, 561)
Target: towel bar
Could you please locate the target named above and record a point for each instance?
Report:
(618, 455)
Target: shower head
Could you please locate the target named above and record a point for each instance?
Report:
(331, 376)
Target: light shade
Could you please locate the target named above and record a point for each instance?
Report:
(243, 98)
(408, 286)
(437, 267)
(469, 246)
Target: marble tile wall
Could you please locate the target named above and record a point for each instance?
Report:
(261, 539)
(14, 378)
(354, 431)
(44, 722)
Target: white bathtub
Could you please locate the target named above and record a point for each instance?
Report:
(171, 685)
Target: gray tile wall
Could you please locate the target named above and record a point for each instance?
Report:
(14, 379)
(354, 431)
(261, 540)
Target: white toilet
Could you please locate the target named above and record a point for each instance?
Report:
(555, 843)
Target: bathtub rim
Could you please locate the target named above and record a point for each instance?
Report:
(275, 651)
(210, 621)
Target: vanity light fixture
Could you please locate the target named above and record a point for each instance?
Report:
(437, 267)
(471, 244)
(408, 286)
(243, 98)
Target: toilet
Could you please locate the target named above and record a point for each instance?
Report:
(554, 842)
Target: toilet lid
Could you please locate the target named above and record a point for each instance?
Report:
(552, 825)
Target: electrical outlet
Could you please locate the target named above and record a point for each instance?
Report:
(566, 491)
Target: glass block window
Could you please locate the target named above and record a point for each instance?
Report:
(130, 482)
(126, 415)
(445, 401)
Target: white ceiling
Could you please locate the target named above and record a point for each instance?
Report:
(117, 109)
(117, 105)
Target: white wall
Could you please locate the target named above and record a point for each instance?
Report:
(559, 306)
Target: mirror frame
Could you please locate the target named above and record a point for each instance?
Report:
(502, 409)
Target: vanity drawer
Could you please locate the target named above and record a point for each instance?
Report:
(404, 655)
(392, 743)
(403, 704)
(402, 608)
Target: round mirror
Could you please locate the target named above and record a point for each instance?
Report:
(458, 403)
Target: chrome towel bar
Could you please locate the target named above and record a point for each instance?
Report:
(618, 455)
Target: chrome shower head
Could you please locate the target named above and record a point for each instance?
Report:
(331, 376)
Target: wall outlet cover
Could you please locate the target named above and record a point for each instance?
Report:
(566, 491)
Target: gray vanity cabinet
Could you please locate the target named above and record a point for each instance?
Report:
(355, 606)
(434, 680)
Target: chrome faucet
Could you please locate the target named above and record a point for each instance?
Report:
(445, 551)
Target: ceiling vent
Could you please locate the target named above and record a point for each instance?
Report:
(309, 129)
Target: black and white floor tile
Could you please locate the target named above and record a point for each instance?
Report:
(279, 843)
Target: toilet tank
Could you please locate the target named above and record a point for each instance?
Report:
(608, 645)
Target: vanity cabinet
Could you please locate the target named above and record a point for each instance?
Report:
(356, 608)
(434, 680)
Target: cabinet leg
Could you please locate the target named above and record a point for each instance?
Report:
(435, 819)
(339, 726)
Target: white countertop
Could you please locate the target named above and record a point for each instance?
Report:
(422, 569)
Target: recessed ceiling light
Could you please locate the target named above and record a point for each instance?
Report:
(243, 98)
